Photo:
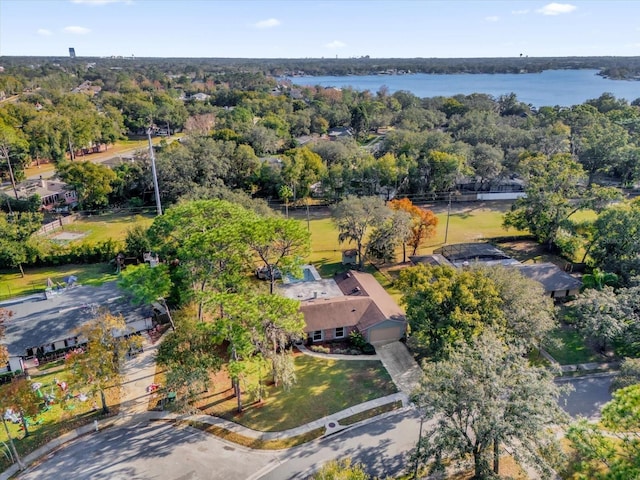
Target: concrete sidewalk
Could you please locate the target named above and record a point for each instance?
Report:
(330, 422)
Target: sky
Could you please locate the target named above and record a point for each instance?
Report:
(319, 28)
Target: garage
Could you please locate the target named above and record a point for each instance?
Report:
(386, 334)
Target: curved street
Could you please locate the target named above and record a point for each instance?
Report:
(136, 447)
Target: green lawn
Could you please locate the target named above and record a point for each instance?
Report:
(35, 279)
(99, 228)
(61, 417)
(323, 387)
(474, 224)
(93, 229)
(573, 350)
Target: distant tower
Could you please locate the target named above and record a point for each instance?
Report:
(72, 52)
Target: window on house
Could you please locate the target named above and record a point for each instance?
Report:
(339, 332)
(317, 336)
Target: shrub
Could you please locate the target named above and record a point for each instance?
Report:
(136, 243)
(356, 339)
(320, 349)
(368, 349)
(348, 351)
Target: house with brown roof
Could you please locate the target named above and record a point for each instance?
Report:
(361, 304)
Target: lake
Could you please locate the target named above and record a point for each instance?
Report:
(548, 88)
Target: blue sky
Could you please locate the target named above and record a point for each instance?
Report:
(319, 28)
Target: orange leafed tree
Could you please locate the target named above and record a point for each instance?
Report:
(423, 226)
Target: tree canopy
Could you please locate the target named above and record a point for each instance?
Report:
(609, 451)
(445, 305)
(355, 217)
(98, 365)
(484, 396)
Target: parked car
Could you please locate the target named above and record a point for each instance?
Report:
(263, 273)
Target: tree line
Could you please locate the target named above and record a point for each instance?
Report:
(432, 145)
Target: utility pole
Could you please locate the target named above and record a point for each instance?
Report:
(13, 178)
(4, 150)
(417, 464)
(446, 230)
(154, 173)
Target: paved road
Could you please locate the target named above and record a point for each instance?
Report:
(381, 446)
(589, 395)
(150, 451)
(161, 451)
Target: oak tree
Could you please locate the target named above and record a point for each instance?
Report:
(355, 217)
(97, 366)
(485, 396)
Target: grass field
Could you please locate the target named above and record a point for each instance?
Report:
(467, 223)
(35, 279)
(573, 350)
(323, 387)
(99, 228)
(90, 230)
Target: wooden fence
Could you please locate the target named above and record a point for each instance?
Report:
(55, 225)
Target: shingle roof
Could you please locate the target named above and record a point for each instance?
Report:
(434, 260)
(40, 321)
(360, 283)
(550, 276)
(336, 312)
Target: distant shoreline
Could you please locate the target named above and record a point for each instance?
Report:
(612, 67)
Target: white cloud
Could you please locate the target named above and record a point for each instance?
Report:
(492, 18)
(519, 12)
(335, 44)
(44, 32)
(269, 23)
(556, 9)
(76, 30)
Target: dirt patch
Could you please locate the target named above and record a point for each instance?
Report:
(530, 251)
(68, 236)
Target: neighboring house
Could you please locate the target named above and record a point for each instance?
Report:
(556, 282)
(435, 260)
(333, 308)
(53, 194)
(87, 87)
(338, 132)
(45, 326)
(200, 97)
